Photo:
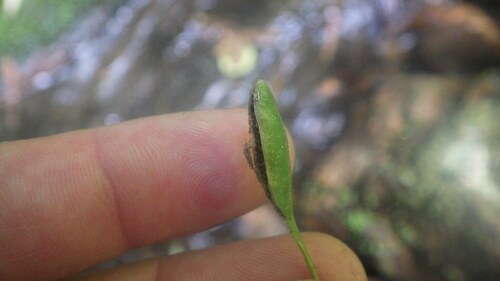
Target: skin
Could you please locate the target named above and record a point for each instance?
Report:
(70, 201)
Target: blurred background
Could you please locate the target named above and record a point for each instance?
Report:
(393, 106)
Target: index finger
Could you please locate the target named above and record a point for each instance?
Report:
(72, 200)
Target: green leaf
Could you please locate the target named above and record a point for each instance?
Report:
(268, 155)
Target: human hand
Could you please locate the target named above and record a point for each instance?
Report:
(70, 201)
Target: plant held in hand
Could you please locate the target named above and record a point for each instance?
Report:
(268, 155)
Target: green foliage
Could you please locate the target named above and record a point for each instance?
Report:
(40, 22)
(268, 156)
(358, 221)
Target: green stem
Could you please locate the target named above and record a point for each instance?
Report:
(298, 238)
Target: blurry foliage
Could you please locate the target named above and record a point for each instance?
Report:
(359, 220)
(40, 22)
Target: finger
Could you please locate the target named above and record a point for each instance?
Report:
(72, 200)
(272, 259)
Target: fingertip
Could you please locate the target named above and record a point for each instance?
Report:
(333, 259)
(291, 147)
(145, 270)
(274, 258)
(111, 188)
